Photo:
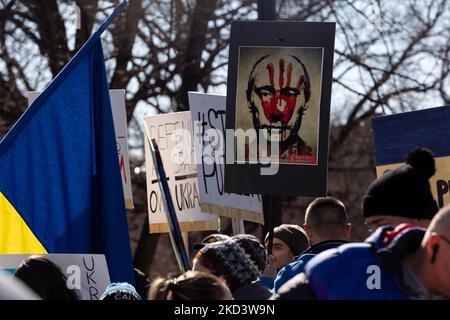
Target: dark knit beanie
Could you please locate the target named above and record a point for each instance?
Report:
(405, 191)
(253, 249)
(227, 259)
(293, 235)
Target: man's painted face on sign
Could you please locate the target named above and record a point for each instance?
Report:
(277, 93)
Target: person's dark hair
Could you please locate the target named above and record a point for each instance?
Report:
(326, 216)
(193, 285)
(142, 284)
(45, 278)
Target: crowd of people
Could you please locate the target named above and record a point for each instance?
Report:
(407, 255)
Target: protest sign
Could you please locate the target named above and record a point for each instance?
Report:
(173, 135)
(278, 104)
(395, 135)
(208, 113)
(85, 273)
(121, 129)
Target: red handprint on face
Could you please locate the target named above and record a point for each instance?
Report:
(279, 103)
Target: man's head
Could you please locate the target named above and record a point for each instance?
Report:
(289, 240)
(402, 195)
(436, 247)
(326, 219)
(277, 93)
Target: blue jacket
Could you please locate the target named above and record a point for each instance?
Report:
(298, 265)
(348, 272)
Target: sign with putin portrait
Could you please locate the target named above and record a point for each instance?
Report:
(278, 107)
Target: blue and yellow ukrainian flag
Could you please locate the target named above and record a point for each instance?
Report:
(395, 135)
(60, 184)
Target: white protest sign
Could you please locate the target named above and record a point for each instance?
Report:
(117, 98)
(120, 126)
(208, 113)
(173, 135)
(86, 273)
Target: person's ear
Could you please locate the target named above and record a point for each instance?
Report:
(347, 231)
(308, 231)
(434, 253)
(432, 246)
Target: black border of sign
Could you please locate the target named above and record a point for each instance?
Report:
(291, 179)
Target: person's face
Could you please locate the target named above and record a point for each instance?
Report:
(282, 253)
(278, 94)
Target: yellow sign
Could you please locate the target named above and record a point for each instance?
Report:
(439, 183)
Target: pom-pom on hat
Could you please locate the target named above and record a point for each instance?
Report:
(404, 191)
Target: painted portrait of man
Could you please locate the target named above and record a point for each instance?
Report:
(279, 88)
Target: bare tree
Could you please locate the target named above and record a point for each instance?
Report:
(390, 57)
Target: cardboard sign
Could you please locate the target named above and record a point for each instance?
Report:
(208, 112)
(120, 126)
(85, 273)
(174, 136)
(395, 135)
(279, 92)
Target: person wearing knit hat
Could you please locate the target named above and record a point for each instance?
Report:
(289, 240)
(226, 260)
(402, 195)
(253, 249)
(210, 239)
(120, 291)
(257, 255)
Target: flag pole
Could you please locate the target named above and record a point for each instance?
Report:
(117, 10)
(172, 219)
